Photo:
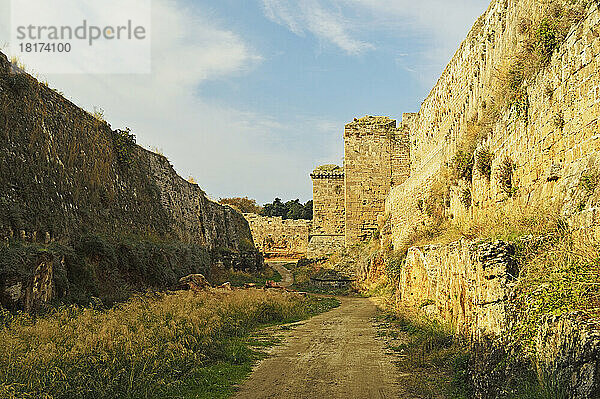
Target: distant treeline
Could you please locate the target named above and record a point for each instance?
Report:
(287, 210)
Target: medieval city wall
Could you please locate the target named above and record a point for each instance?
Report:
(276, 237)
(74, 193)
(551, 149)
(376, 156)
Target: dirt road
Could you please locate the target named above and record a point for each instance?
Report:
(333, 355)
(287, 279)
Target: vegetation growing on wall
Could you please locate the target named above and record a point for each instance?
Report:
(542, 36)
(504, 176)
(484, 162)
(465, 197)
(124, 142)
(559, 274)
(77, 174)
(244, 205)
(462, 164)
(108, 268)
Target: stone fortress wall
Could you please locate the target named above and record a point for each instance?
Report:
(348, 202)
(375, 158)
(63, 172)
(279, 238)
(551, 149)
(328, 233)
(74, 193)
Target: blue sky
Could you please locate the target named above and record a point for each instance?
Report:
(248, 96)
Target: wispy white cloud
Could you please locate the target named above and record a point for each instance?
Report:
(347, 23)
(230, 151)
(328, 24)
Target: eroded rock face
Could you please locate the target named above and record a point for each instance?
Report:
(568, 350)
(30, 293)
(13, 292)
(41, 289)
(469, 285)
(195, 282)
(465, 283)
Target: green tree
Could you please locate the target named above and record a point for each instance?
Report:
(242, 204)
(293, 209)
(308, 210)
(277, 208)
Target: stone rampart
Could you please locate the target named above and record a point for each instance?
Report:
(76, 194)
(376, 157)
(551, 149)
(276, 237)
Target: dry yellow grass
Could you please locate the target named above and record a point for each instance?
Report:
(144, 348)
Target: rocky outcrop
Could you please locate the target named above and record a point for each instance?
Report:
(568, 351)
(469, 286)
(464, 283)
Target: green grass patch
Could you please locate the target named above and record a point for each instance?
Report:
(432, 362)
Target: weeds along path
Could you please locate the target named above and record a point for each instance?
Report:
(287, 278)
(333, 355)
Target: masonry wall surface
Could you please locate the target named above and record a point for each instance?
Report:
(469, 285)
(554, 148)
(549, 158)
(276, 237)
(64, 177)
(373, 162)
(464, 283)
(327, 234)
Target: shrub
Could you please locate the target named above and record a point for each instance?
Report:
(546, 37)
(561, 276)
(505, 176)
(98, 114)
(123, 142)
(244, 205)
(465, 197)
(437, 199)
(462, 164)
(588, 182)
(484, 163)
(559, 120)
(394, 263)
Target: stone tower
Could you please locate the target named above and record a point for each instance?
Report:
(377, 157)
(328, 226)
